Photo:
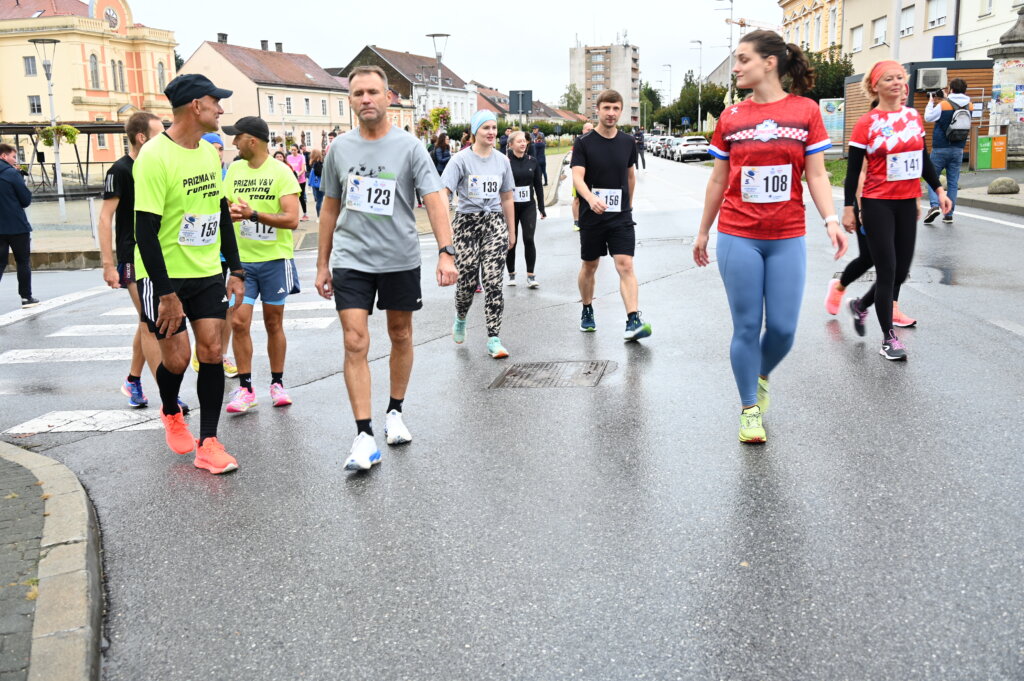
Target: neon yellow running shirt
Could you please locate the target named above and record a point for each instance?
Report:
(262, 188)
(183, 187)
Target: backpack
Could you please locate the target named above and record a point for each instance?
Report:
(959, 128)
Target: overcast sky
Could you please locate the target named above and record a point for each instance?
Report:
(524, 52)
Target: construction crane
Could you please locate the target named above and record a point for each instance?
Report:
(745, 23)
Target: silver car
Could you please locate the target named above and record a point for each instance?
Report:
(690, 148)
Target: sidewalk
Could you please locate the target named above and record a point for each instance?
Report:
(57, 246)
(51, 598)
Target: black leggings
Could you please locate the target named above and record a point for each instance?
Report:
(891, 226)
(302, 197)
(862, 263)
(526, 215)
(21, 245)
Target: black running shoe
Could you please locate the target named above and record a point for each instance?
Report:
(930, 216)
(859, 316)
(892, 348)
(29, 302)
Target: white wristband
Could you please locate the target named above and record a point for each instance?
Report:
(833, 218)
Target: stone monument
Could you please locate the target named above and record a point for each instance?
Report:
(1007, 114)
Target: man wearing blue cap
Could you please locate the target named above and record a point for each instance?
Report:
(182, 225)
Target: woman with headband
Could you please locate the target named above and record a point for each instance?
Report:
(762, 147)
(529, 199)
(484, 226)
(891, 138)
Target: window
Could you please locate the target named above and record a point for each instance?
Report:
(807, 34)
(101, 141)
(597, 79)
(936, 13)
(161, 76)
(907, 21)
(124, 143)
(341, 107)
(305, 105)
(985, 8)
(35, 106)
(323, 107)
(833, 20)
(596, 88)
(113, 76)
(270, 103)
(786, 38)
(30, 66)
(94, 72)
(857, 39)
(596, 58)
(120, 72)
(817, 32)
(288, 105)
(597, 67)
(878, 27)
(307, 138)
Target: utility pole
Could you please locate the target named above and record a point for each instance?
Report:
(43, 45)
(439, 51)
(700, 80)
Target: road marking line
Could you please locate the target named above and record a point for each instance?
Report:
(257, 309)
(90, 421)
(30, 356)
(1012, 327)
(97, 330)
(52, 303)
(998, 222)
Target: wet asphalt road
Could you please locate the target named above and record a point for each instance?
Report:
(615, 532)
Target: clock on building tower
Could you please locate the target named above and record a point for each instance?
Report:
(111, 16)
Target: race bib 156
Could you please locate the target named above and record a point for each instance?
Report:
(611, 197)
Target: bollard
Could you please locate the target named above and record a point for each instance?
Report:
(92, 222)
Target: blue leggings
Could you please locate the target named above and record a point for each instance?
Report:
(761, 275)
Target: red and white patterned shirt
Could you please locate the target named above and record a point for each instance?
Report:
(893, 142)
(767, 146)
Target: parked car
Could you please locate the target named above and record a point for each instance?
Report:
(662, 146)
(670, 148)
(652, 142)
(690, 148)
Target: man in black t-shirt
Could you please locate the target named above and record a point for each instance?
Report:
(119, 262)
(604, 178)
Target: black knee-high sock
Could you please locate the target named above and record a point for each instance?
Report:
(210, 387)
(169, 385)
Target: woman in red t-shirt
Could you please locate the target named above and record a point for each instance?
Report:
(891, 138)
(762, 147)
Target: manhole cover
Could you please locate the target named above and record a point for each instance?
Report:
(552, 375)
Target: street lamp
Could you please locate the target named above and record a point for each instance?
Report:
(700, 80)
(45, 47)
(441, 38)
(730, 43)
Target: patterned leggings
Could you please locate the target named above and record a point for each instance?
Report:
(481, 243)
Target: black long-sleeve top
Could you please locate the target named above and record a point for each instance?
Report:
(526, 172)
(855, 161)
(147, 231)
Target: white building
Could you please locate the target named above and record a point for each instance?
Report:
(608, 67)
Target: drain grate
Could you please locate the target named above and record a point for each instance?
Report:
(665, 241)
(552, 375)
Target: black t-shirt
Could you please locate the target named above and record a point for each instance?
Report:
(119, 184)
(607, 163)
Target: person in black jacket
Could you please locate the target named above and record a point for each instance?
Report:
(529, 188)
(15, 231)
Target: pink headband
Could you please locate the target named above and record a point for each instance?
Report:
(881, 67)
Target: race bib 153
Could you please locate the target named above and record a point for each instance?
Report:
(199, 230)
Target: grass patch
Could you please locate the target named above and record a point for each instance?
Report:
(838, 169)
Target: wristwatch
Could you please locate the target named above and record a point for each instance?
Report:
(255, 217)
(449, 249)
(238, 273)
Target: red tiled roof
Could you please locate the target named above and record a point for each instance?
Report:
(277, 68)
(409, 65)
(24, 9)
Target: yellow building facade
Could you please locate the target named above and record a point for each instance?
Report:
(105, 68)
(814, 25)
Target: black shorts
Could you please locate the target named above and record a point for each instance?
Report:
(598, 241)
(393, 290)
(201, 298)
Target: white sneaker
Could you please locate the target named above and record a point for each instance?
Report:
(363, 455)
(395, 431)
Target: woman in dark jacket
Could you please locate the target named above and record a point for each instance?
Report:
(441, 153)
(529, 189)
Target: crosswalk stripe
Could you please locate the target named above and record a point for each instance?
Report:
(46, 306)
(84, 421)
(306, 306)
(296, 324)
(31, 356)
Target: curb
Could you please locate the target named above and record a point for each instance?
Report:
(994, 206)
(69, 609)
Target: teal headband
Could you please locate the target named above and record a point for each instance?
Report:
(479, 118)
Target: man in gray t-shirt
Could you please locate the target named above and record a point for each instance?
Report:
(369, 249)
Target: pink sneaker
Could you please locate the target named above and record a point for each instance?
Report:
(834, 298)
(279, 395)
(899, 319)
(241, 400)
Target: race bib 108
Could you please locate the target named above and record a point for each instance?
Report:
(373, 195)
(198, 230)
(766, 184)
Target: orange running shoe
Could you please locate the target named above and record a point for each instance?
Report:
(834, 298)
(212, 457)
(179, 439)
(899, 319)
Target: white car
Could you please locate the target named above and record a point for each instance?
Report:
(669, 150)
(693, 147)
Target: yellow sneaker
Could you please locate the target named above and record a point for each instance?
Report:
(763, 398)
(230, 370)
(195, 360)
(751, 429)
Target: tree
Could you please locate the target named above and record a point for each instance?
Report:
(572, 99)
(178, 62)
(651, 95)
(831, 68)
